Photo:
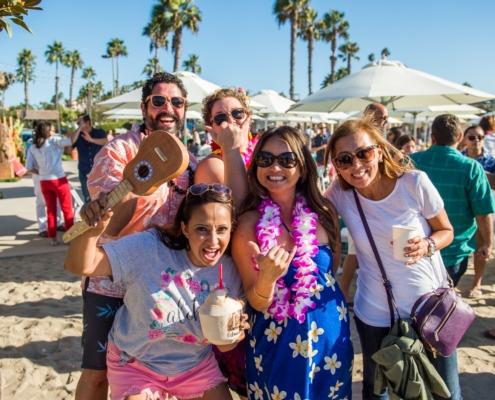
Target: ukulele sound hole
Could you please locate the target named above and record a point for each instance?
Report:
(143, 171)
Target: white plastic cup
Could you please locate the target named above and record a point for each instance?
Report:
(401, 236)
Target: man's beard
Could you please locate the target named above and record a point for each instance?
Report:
(153, 124)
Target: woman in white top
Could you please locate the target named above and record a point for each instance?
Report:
(391, 193)
(45, 158)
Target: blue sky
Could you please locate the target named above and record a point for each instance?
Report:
(241, 44)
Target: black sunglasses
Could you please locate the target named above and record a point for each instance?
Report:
(286, 160)
(200, 188)
(158, 100)
(474, 137)
(236, 114)
(365, 155)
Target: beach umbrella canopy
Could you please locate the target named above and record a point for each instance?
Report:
(132, 113)
(390, 83)
(435, 111)
(197, 89)
(272, 101)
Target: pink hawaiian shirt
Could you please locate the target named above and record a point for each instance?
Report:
(159, 208)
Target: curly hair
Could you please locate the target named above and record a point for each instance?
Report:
(162, 77)
(220, 94)
(390, 167)
(306, 185)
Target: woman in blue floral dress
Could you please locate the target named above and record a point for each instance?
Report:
(284, 247)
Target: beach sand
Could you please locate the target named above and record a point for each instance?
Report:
(41, 325)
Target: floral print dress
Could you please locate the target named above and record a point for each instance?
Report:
(309, 360)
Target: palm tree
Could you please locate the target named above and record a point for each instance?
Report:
(89, 74)
(334, 26)
(7, 79)
(385, 53)
(371, 57)
(180, 14)
(157, 30)
(338, 75)
(192, 64)
(348, 52)
(116, 48)
(290, 10)
(309, 31)
(55, 54)
(151, 68)
(25, 71)
(73, 60)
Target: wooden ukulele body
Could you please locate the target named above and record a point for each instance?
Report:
(161, 157)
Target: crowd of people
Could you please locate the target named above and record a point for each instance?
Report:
(253, 204)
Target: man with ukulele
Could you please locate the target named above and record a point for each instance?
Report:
(163, 107)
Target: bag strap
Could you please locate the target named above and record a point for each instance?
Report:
(388, 287)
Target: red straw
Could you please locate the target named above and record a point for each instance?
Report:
(220, 272)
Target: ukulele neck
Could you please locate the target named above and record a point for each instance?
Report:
(119, 193)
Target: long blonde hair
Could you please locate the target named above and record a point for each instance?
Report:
(306, 185)
(389, 167)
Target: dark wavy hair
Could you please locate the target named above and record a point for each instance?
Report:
(41, 133)
(172, 235)
(307, 184)
(162, 77)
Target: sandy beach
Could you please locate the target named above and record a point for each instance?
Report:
(41, 326)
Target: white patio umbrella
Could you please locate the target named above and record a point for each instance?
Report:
(435, 111)
(390, 83)
(197, 89)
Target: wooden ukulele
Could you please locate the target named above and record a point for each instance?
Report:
(161, 157)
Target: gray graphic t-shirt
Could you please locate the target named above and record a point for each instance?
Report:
(159, 324)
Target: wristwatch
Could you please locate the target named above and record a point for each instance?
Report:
(432, 246)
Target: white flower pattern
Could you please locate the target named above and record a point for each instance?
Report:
(343, 312)
(272, 332)
(332, 364)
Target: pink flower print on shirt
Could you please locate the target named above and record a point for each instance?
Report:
(189, 338)
(195, 287)
(155, 334)
(157, 314)
(180, 281)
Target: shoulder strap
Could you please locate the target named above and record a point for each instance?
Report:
(388, 287)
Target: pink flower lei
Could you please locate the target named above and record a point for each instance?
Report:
(284, 303)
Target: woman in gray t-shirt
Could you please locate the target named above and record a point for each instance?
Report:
(156, 344)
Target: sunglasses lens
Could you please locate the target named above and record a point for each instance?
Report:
(238, 114)
(264, 159)
(366, 155)
(177, 102)
(221, 189)
(158, 101)
(219, 118)
(287, 160)
(343, 162)
(199, 188)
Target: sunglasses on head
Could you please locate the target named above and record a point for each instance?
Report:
(236, 114)
(474, 137)
(200, 188)
(157, 100)
(365, 155)
(286, 160)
